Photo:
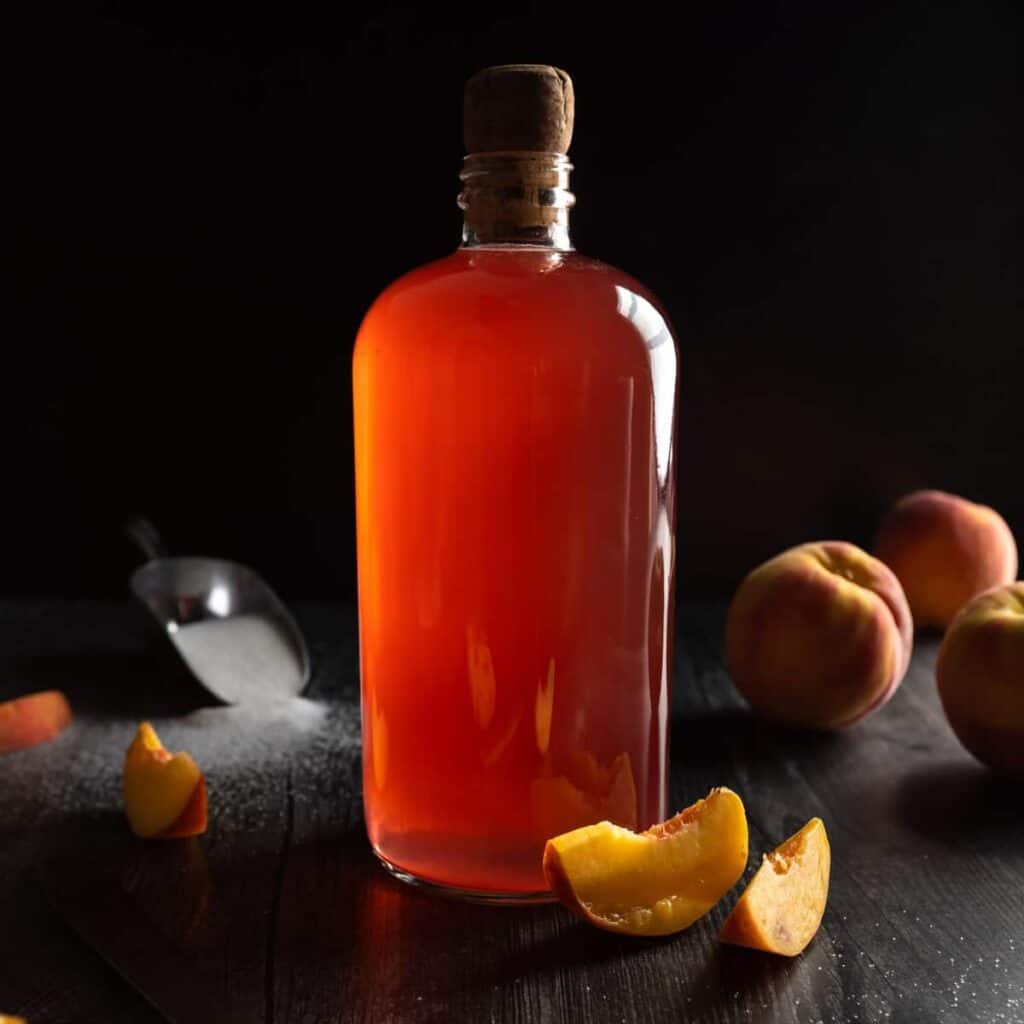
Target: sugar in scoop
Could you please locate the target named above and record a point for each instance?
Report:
(246, 656)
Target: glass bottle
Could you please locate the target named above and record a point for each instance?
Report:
(515, 508)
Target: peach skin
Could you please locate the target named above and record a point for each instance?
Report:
(37, 718)
(945, 550)
(819, 636)
(980, 674)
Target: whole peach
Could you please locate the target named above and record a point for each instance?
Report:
(819, 636)
(980, 672)
(945, 550)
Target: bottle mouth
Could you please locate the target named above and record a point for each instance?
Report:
(553, 159)
(516, 178)
(516, 197)
(518, 162)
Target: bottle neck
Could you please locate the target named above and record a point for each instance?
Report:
(511, 199)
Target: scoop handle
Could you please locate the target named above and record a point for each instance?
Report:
(146, 538)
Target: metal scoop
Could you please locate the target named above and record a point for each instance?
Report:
(229, 628)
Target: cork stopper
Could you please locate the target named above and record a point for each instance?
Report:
(518, 108)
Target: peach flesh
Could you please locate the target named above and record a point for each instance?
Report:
(781, 909)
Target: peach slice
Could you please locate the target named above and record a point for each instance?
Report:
(781, 909)
(654, 882)
(164, 793)
(5, 1019)
(37, 718)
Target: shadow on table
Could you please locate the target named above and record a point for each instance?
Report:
(688, 972)
(707, 739)
(115, 684)
(131, 671)
(960, 799)
(734, 981)
(168, 916)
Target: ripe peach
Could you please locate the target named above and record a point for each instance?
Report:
(164, 793)
(819, 636)
(945, 550)
(980, 672)
(37, 718)
(655, 882)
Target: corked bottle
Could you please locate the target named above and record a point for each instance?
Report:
(515, 495)
(518, 123)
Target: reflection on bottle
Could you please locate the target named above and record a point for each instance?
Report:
(585, 793)
(492, 755)
(378, 742)
(651, 326)
(659, 653)
(480, 671)
(544, 708)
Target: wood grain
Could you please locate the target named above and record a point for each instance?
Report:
(280, 914)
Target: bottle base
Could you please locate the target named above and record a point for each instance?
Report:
(455, 892)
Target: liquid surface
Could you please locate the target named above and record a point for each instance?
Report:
(243, 657)
(514, 414)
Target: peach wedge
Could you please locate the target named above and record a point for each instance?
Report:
(28, 721)
(655, 882)
(781, 908)
(164, 793)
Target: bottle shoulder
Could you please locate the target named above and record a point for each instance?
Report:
(472, 289)
(505, 269)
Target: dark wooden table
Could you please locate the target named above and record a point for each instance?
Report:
(280, 914)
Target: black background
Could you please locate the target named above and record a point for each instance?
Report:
(825, 196)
